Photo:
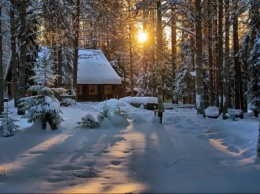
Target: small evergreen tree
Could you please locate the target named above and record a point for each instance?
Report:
(7, 124)
(89, 121)
(43, 105)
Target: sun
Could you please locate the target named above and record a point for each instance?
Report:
(142, 37)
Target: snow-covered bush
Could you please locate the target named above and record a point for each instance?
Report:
(234, 114)
(118, 120)
(105, 118)
(7, 124)
(89, 121)
(121, 112)
(44, 102)
(67, 101)
(105, 114)
(119, 117)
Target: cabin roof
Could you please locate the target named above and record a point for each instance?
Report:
(94, 68)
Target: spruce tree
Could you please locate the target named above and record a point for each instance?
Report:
(7, 123)
(43, 104)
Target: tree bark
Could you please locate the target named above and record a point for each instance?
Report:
(1, 66)
(258, 142)
(226, 93)
(14, 53)
(215, 53)
(236, 62)
(159, 51)
(22, 49)
(59, 54)
(199, 70)
(210, 54)
(131, 61)
(174, 51)
(220, 55)
(76, 45)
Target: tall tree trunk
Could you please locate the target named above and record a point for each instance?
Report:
(220, 55)
(59, 53)
(236, 62)
(191, 83)
(153, 53)
(226, 93)
(174, 52)
(14, 53)
(131, 61)
(76, 45)
(22, 50)
(210, 54)
(258, 142)
(159, 51)
(144, 59)
(130, 52)
(1, 65)
(215, 53)
(199, 70)
(59, 80)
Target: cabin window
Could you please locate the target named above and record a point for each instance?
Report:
(108, 89)
(92, 89)
(79, 89)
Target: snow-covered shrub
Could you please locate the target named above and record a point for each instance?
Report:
(121, 112)
(234, 114)
(89, 121)
(100, 117)
(106, 123)
(67, 101)
(118, 120)
(104, 114)
(120, 117)
(7, 124)
(44, 102)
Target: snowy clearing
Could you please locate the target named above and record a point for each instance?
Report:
(187, 153)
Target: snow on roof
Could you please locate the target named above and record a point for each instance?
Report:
(94, 68)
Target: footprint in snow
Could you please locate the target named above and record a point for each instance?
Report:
(233, 148)
(115, 162)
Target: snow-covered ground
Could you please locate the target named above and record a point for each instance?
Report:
(187, 153)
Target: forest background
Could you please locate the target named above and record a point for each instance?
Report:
(203, 52)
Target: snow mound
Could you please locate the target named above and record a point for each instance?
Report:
(118, 120)
(106, 123)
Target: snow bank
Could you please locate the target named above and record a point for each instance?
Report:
(144, 100)
(212, 111)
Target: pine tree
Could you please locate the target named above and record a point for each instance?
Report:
(43, 105)
(7, 124)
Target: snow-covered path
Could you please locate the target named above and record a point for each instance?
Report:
(180, 155)
(190, 162)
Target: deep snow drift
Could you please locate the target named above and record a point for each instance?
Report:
(187, 153)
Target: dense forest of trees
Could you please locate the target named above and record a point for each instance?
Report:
(204, 52)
